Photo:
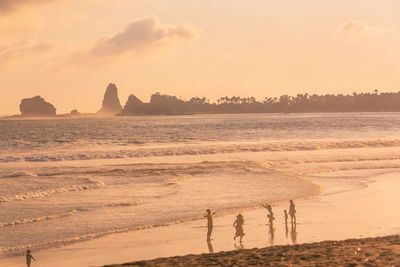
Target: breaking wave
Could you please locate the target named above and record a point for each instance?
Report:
(53, 191)
(204, 149)
(38, 219)
(124, 204)
(16, 174)
(67, 213)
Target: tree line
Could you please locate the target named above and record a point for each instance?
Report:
(362, 102)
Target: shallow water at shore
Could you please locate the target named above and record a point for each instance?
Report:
(351, 208)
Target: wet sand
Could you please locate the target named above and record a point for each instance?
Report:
(379, 251)
(366, 209)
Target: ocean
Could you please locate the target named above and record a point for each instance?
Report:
(70, 180)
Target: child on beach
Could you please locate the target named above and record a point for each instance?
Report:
(29, 258)
(210, 223)
(238, 224)
(270, 216)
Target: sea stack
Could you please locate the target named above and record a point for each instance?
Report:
(111, 104)
(36, 106)
(132, 100)
(133, 106)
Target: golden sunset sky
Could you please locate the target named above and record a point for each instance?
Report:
(68, 51)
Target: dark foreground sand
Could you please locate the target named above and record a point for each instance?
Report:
(379, 251)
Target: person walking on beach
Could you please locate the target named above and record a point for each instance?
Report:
(29, 258)
(270, 216)
(238, 224)
(210, 223)
(292, 212)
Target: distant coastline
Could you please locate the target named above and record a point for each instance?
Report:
(94, 115)
(161, 104)
(302, 103)
(58, 116)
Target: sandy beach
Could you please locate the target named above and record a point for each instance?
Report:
(328, 217)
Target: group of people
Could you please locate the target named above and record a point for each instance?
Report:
(239, 222)
(292, 213)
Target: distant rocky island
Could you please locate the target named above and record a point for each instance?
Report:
(111, 104)
(36, 106)
(161, 104)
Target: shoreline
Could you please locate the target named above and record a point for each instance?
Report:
(329, 211)
(95, 115)
(378, 251)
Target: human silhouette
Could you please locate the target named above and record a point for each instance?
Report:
(238, 224)
(210, 223)
(210, 246)
(29, 258)
(286, 225)
(292, 212)
(270, 215)
(293, 233)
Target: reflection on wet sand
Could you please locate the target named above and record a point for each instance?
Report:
(286, 230)
(210, 246)
(293, 234)
(239, 245)
(271, 234)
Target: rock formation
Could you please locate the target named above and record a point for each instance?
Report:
(111, 104)
(133, 100)
(36, 106)
(134, 106)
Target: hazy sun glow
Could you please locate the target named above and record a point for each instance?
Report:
(68, 51)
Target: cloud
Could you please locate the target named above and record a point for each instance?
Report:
(139, 37)
(25, 48)
(12, 5)
(356, 30)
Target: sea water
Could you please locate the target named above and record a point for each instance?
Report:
(69, 180)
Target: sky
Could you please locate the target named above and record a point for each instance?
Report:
(69, 51)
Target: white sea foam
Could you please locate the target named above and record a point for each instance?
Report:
(49, 192)
(37, 219)
(124, 204)
(204, 149)
(68, 213)
(16, 174)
